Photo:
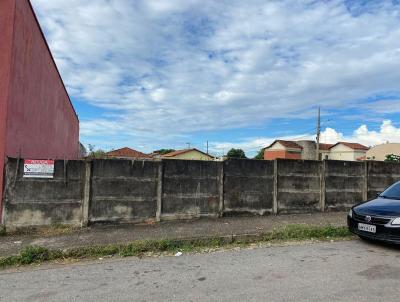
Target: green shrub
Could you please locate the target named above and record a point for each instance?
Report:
(299, 232)
(3, 230)
(31, 254)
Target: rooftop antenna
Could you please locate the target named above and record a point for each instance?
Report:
(188, 145)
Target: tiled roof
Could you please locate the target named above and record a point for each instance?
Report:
(325, 146)
(127, 152)
(287, 144)
(178, 152)
(354, 146)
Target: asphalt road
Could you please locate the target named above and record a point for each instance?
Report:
(338, 271)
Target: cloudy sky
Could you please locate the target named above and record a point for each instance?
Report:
(155, 74)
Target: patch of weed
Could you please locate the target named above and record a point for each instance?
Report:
(32, 254)
(37, 254)
(3, 230)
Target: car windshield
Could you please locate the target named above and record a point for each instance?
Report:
(393, 192)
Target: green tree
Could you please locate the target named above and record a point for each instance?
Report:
(236, 153)
(260, 154)
(96, 153)
(164, 151)
(393, 158)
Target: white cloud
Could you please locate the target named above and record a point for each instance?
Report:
(387, 133)
(177, 67)
(385, 106)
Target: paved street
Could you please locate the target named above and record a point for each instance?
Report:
(338, 271)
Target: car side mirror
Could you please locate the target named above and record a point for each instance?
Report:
(378, 194)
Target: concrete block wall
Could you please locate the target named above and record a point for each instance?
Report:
(344, 183)
(123, 190)
(380, 176)
(34, 202)
(131, 191)
(190, 189)
(298, 186)
(248, 186)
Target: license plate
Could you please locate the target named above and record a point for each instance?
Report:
(367, 228)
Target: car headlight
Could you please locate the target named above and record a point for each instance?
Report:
(351, 214)
(396, 221)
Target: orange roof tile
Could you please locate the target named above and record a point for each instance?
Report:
(287, 144)
(178, 152)
(127, 152)
(325, 146)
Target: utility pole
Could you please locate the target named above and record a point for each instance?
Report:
(188, 145)
(207, 147)
(318, 131)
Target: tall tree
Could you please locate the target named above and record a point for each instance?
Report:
(96, 153)
(164, 151)
(393, 158)
(236, 153)
(260, 154)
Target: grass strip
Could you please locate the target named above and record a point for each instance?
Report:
(2, 231)
(37, 254)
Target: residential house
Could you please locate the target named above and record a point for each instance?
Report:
(379, 152)
(306, 149)
(127, 153)
(189, 154)
(283, 149)
(324, 150)
(347, 151)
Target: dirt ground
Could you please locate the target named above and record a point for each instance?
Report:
(107, 234)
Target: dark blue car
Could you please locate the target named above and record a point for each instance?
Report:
(379, 218)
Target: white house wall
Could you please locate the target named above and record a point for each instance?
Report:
(342, 152)
(277, 146)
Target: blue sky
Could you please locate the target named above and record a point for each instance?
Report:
(160, 74)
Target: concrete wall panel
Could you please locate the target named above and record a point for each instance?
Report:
(248, 186)
(344, 184)
(380, 176)
(190, 189)
(123, 191)
(34, 201)
(298, 186)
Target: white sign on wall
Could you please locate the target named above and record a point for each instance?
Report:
(38, 168)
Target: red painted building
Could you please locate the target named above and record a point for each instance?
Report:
(37, 119)
(283, 149)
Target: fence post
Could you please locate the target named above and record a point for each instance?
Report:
(365, 186)
(275, 193)
(322, 186)
(160, 176)
(3, 193)
(221, 188)
(86, 193)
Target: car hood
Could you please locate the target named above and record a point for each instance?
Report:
(379, 207)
